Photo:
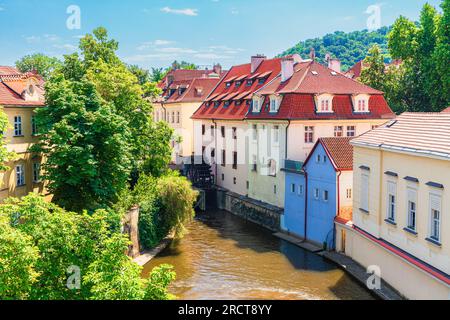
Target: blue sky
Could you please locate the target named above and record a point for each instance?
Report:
(152, 33)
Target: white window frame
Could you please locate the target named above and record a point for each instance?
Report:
(435, 206)
(293, 188)
(300, 190)
(325, 195)
(18, 126)
(276, 135)
(36, 172)
(391, 204)
(339, 131)
(309, 134)
(411, 198)
(316, 193)
(351, 131)
(20, 175)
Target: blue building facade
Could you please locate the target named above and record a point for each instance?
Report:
(312, 200)
(293, 220)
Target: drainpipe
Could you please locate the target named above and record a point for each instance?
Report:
(338, 204)
(339, 193)
(306, 205)
(215, 148)
(165, 111)
(286, 146)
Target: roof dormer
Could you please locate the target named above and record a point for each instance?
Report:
(324, 103)
(275, 102)
(30, 92)
(257, 103)
(361, 103)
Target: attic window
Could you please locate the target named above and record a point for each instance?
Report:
(207, 104)
(262, 80)
(228, 84)
(216, 104)
(274, 104)
(249, 82)
(238, 102)
(227, 103)
(314, 73)
(199, 91)
(237, 83)
(257, 103)
(361, 103)
(324, 103)
(333, 73)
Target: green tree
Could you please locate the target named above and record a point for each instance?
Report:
(387, 79)
(374, 74)
(423, 47)
(85, 143)
(40, 241)
(18, 258)
(5, 155)
(42, 64)
(120, 87)
(158, 74)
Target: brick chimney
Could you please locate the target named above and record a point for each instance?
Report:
(333, 64)
(287, 68)
(217, 69)
(312, 54)
(256, 61)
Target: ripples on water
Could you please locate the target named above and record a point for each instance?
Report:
(224, 257)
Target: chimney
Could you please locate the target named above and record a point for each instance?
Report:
(287, 68)
(256, 61)
(335, 65)
(312, 54)
(217, 69)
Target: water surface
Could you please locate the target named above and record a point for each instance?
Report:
(225, 257)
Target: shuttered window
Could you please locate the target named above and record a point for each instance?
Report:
(435, 211)
(391, 200)
(412, 209)
(364, 192)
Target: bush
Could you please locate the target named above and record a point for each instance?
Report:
(166, 205)
(39, 241)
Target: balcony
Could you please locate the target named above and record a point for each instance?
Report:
(292, 166)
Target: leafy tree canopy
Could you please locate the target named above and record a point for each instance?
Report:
(42, 64)
(48, 253)
(350, 47)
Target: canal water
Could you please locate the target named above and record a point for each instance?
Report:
(224, 257)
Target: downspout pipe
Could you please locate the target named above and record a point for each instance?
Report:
(287, 134)
(306, 204)
(216, 152)
(338, 204)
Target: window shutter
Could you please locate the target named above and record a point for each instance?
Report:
(435, 202)
(365, 192)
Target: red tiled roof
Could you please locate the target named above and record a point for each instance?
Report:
(355, 71)
(340, 152)
(13, 84)
(195, 90)
(238, 112)
(302, 107)
(426, 134)
(446, 110)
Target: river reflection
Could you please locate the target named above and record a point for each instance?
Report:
(224, 257)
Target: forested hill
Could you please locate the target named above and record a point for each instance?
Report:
(348, 47)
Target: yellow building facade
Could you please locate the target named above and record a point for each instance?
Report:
(20, 95)
(402, 204)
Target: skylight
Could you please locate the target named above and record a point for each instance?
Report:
(314, 73)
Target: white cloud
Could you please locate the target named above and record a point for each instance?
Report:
(66, 46)
(211, 56)
(153, 44)
(185, 12)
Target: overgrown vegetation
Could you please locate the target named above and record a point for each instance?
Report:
(166, 205)
(42, 247)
